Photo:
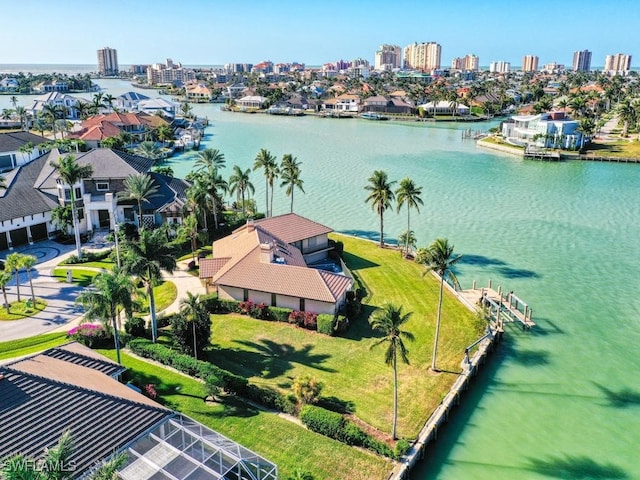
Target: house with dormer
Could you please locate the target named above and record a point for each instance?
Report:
(280, 261)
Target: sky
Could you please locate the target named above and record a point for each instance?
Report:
(212, 32)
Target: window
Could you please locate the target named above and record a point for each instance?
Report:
(245, 294)
(67, 194)
(80, 213)
(78, 193)
(102, 186)
(302, 304)
(273, 300)
(128, 214)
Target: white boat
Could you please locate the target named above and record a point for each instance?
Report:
(373, 116)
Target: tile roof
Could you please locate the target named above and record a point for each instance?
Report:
(43, 396)
(77, 353)
(292, 228)
(239, 261)
(21, 199)
(11, 142)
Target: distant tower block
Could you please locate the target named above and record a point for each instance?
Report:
(108, 61)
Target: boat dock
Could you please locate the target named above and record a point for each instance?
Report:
(541, 154)
(501, 308)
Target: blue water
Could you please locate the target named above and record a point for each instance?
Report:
(560, 401)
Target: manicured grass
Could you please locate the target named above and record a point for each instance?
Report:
(206, 249)
(164, 294)
(26, 346)
(621, 148)
(80, 276)
(104, 264)
(356, 375)
(281, 441)
(18, 310)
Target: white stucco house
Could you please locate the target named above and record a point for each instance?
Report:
(545, 130)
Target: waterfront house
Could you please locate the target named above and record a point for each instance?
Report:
(346, 102)
(129, 101)
(198, 93)
(52, 86)
(545, 130)
(95, 129)
(11, 144)
(444, 107)
(56, 99)
(9, 84)
(277, 261)
(156, 106)
(382, 104)
(251, 101)
(73, 388)
(35, 189)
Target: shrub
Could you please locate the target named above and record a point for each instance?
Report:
(150, 391)
(322, 421)
(212, 385)
(308, 320)
(307, 389)
(353, 435)
(326, 323)
(279, 314)
(227, 306)
(341, 325)
(210, 302)
(270, 398)
(91, 334)
(402, 447)
(136, 327)
(189, 329)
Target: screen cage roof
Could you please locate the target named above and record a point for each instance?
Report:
(183, 449)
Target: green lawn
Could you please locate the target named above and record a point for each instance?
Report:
(26, 346)
(81, 276)
(279, 440)
(18, 310)
(164, 294)
(275, 354)
(104, 264)
(620, 148)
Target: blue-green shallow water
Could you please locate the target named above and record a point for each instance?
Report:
(561, 401)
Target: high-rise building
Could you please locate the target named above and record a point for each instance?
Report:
(617, 64)
(169, 73)
(500, 67)
(388, 57)
(468, 63)
(108, 61)
(582, 61)
(422, 56)
(530, 63)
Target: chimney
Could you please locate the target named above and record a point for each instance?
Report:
(250, 226)
(266, 253)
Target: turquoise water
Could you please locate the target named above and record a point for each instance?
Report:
(561, 401)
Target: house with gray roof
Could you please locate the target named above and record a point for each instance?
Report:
(12, 143)
(73, 388)
(35, 189)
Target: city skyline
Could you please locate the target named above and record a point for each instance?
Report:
(288, 31)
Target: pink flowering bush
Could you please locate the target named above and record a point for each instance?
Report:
(90, 334)
(308, 320)
(150, 391)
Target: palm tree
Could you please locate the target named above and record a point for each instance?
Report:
(111, 292)
(438, 257)
(267, 162)
(198, 199)
(192, 307)
(164, 133)
(290, 175)
(14, 101)
(409, 193)
(28, 262)
(97, 103)
(239, 182)
(189, 231)
(147, 258)
(55, 464)
(148, 149)
(389, 320)
(210, 159)
(140, 187)
(22, 115)
(628, 115)
(108, 101)
(5, 278)
(380, 197)
(70, 174)
(407, 239)
(52, 113)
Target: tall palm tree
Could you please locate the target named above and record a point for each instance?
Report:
(55, 464)
(28, 262)
(189, 231)
(267, 162)
(210, 159)
(290, 175)
(71, 173)
(108, 101)
(14, 101)
(198, 199)
(146, 258)
(97, 103)
(164, 133)
(389, 320)
(409, 193)
(193, 308)
(208, 163)
(380, 197)
(52, 113)
(22, 115)
(140, 187)
(13, 263)
(239, 182)
(111, 292)
(628, 114)
(5, 278)
(438, 257)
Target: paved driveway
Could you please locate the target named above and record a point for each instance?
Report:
(61, 309)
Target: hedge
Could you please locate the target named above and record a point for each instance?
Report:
(334, 425)
(326, 323)
(280, 314)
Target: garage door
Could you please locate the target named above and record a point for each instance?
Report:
(19, 237)
(39, 232)
(3, 241)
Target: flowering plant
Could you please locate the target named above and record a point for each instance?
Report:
(89, 334)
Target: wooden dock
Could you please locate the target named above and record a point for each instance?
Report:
(541, 154)
(501, 308)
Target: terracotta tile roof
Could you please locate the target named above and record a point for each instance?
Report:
(239, 261)
(292, 227)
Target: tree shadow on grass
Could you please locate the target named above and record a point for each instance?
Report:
(231, 407)
(267, 359)
(355, 262)
(360, 329)
(622, 398)
(336, 404)
(573, 466)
